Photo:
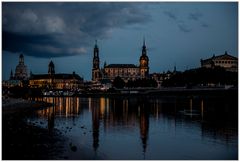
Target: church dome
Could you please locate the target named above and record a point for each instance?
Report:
(21, 69)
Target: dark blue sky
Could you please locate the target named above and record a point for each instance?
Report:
(176, 33)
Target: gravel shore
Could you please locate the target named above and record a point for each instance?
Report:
(21, 141)
(18, 105)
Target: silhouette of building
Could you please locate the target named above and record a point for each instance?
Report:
(125, 71)
(21, 70)
(55, 81)
(21, 75)
(96, 74)
(230, 63)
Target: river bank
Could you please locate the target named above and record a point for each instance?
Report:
(24, 141)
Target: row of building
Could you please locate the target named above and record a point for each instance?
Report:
(125, 71)
(107, 73)
(50, 80)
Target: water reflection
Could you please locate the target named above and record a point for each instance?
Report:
(95, 122)
(210, 119)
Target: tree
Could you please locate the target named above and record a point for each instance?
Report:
(118, 82)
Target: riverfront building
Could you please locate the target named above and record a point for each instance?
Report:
(55, 81)
(230, 63)
(125, 71)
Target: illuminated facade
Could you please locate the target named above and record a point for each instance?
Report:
(125, 71)
(230, 63)
(55, 81)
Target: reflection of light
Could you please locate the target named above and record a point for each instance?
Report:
(102, 105)
(202, 108)
(60, 105)
(77, 105)
(67, 105)
(89, 104)
(107, 105)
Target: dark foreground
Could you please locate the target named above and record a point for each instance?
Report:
(190, 126)
(23, 141)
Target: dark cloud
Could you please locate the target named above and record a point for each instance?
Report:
(170, 14)
(184, 27)
(204, 25)
(47, 29)
(195, 16)
(180, 23)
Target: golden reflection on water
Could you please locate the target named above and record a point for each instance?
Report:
(62, 106)
(124, 114)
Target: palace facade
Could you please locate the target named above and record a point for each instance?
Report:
(230, 63)
(125, 71)
(55, 81)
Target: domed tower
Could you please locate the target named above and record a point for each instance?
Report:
(96, 62)
(144, 68)
(21, 69)
(51, 69)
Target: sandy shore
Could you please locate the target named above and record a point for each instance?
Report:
(21, 141)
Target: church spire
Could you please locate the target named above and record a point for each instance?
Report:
(144, 49)
(144, 43)
(96, 46)
(96, 50)
(51, 69)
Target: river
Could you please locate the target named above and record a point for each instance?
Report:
(135, 128)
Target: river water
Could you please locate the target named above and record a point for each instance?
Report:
(136, 128)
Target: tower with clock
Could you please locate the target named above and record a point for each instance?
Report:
(144, 62)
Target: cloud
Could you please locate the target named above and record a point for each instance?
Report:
(195, 16)
(64, 29)
(170, 14)
(204, 25)
(183, 27)
(182, 21)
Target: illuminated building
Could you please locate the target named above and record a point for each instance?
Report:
(55, 81)
(125, 71)
(230, 63)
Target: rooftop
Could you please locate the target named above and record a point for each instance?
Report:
(121, 66)
(56, 76)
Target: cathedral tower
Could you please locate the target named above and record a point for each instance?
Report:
(96, 62)
(144, 68)
(51, 69)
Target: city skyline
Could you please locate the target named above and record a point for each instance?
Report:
(176, 34)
